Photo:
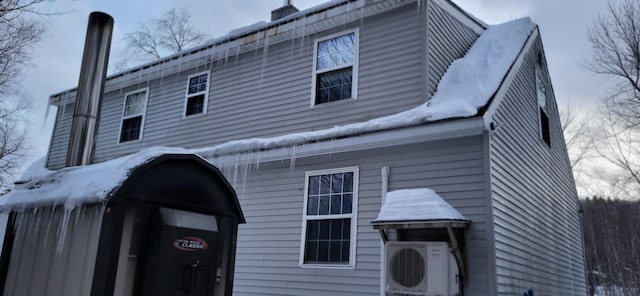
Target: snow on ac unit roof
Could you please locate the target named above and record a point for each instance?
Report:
(467, 85)
(416, 205)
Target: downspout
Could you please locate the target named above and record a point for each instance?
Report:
(385, 188)
(93, 71)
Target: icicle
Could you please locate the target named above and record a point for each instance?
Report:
(62, 229)
(265, 57)
(304, 34)
(292, 162)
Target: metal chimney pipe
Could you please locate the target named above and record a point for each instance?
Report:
(93, 72)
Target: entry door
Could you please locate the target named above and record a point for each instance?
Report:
(180, 262)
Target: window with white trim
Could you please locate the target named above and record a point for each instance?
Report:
(335, 68)
(197, 94)
(329, 218)
(541, 95)
(133, 113)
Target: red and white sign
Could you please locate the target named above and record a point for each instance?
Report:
(190, 244)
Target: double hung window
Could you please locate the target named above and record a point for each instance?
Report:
(541, 95)
(133, 113)
(329, 218)
(197, 94)
(335, 68)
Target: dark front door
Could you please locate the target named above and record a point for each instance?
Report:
(179, 262)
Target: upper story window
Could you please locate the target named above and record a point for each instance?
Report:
(133, 113)
(329, 218)
(197, 94)
(541, 95)
(335, 68)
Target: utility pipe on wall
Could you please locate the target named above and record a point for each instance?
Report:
(84, 127)
(385, 188)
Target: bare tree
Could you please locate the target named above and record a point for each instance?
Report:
(19, 29)
(13, 135)
(577, 131)
(615, 44)
(17, 33)
(171, 33)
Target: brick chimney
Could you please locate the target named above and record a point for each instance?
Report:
(285, 10)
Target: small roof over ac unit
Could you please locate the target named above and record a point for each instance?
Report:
(421, 208)
(411, 210)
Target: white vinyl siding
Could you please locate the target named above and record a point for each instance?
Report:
(133, 113)
(329, 218)
(335, 68)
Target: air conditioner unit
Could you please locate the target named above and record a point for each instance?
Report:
(421, 268)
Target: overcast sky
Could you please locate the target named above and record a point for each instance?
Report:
(56, 59)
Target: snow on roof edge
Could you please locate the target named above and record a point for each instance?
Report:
(72, 186)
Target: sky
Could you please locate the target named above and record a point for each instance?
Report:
(56, 58)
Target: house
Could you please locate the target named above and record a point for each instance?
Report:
(319, 114)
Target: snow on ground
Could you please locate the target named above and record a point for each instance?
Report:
(467, 85)
(416, 205)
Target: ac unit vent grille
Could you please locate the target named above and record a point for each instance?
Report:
(407, 267)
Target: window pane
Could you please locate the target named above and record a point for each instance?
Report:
(324, 205)
(130, 129)
(335, 250)
(348, 182)
(325, 185)
(312, 205)
(347, 199)
(314, 185)
(313, 230)
(336, 204)
(134, 103)
(311, 251)
(195, 105)
(336, 229)
(336, 52)
(198, 84)
(336, 183)
(334, 86)
(345, 251)
(323, 251)
(324, 229)
(331, 245)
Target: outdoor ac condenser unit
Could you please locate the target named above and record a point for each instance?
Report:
(421, 268)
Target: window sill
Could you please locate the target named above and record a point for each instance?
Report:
(328, 266)
(334, 103)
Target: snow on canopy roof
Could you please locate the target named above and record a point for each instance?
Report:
(73, 186)
(416, 205)
(466, 86)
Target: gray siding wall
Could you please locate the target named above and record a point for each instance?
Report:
(260, 94)
(271, 195)
(264, 93)
(447, 40)
(535, 206)
(39, 266)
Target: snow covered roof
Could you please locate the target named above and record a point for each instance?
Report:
(416, 205)
(78, 185)
(466, 87)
